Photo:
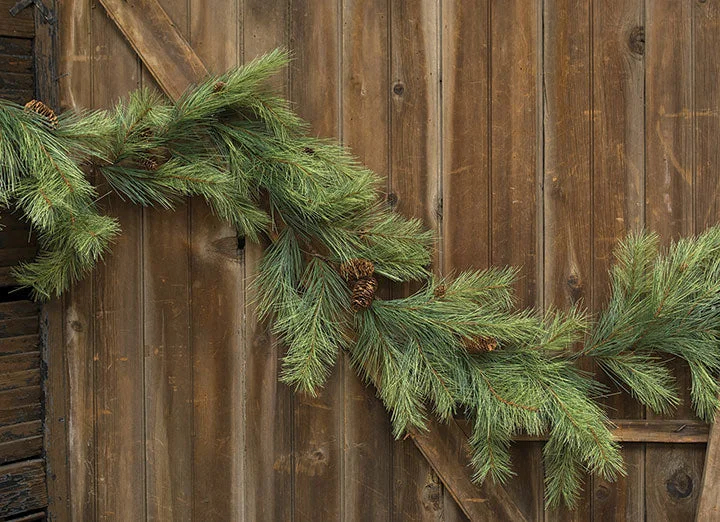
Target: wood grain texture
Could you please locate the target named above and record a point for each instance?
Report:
(705, 118)
(217, 310)
(118, 343)
(168, 374)
(617, 203)
(414, 178)
(318, 429)
(165, 53)
(673, 473)
(75, 82)
(21, 25)
(445, 448)
(22, 487)
(365, 129)
(269, 439)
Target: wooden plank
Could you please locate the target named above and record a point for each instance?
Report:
(318, 421)
(444, 446)
(20, 379)
(118, 338)
(21, 25)
(18, 48)
(12, 399)
(21, 413)
(169, 405)
(673, 472)
(18, 309)
(567, 203)
(40, 515)
(20, 326)
(12, 81)
(269, 442)
(163, 50)
(22, 487)
(705, 117)
(76, 80)
(216, 313)
(617, 203)
(19, 362)
(365, 129)
(674, 431)
(414, 182)
(21, 449)
(20, 344)
(20, 431)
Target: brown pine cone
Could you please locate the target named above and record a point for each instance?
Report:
(219, 86)
(356, 269)
(480, 344)
(439, 291)
(363, 293)
(43, 110)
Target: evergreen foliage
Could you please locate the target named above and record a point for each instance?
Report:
(233, 142)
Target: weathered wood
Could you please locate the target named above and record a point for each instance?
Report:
(21, 25)
(414, 181)
(269, 440)
(365, 129)
(318, 421)
(22, 487)
(163, 50)
(705, 117)
(18, 309)
(443, 445)
(21, 449)
(19, 326)
(567, 202)
(18, 413)
(19, 362)
(673, 473)
(118, 313)
(20, 344)
(40, 515)
(218, 304)
(20, 379)
(617, 204)
(169, 401)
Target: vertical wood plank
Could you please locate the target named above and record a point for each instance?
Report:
(513, 143)
(118, 343)
(75, 85)
(415, 183)
(168, 353)
(465, 147)
(673, 472)
(705, 117)
(52, 316)
(318, 421)
(269, 419)
(365, 125)
(617, 204)
(217, 298)
(568, 275)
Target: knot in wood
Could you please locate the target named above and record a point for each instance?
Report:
(399, 89)
(637, 40)
(392, 199)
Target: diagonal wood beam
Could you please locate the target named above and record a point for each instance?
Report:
(176, 66)
(445, 448)
(158, 43)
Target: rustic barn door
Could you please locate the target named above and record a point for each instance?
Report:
(532, 133)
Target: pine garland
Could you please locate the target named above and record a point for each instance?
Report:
(457, 346)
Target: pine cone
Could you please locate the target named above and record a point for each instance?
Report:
(219, 86)
(43, 110)
(363, 293)
(440, 291)
(150, 164)
(480, 344)
(356, 269)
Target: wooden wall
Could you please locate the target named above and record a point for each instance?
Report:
(525, 132)
(23, 492)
